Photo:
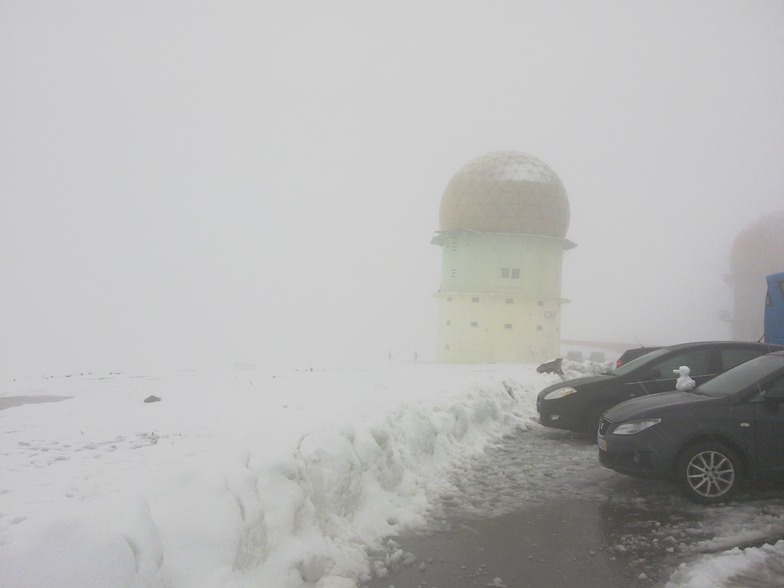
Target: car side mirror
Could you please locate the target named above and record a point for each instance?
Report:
(774, 397)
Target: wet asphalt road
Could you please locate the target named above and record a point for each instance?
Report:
(537, 510)
(560, 544)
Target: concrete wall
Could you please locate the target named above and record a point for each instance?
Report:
(500, 298)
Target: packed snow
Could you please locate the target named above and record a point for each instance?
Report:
(684, 383)
(290, 478)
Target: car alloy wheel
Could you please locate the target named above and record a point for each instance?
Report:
(709, 473)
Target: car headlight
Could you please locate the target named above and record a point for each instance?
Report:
(634, 427)
(560, 393)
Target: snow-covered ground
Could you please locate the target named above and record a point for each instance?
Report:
(280, 479)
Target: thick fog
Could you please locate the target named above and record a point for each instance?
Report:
(199, 184)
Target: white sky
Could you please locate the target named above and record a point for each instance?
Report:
(191, 183)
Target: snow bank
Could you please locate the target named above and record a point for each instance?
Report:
(285, 480)
(237, 479)
(754, 566)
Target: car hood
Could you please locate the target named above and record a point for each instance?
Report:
(579, 383)
(651, 406)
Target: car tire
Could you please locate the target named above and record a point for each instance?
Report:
(709, 473)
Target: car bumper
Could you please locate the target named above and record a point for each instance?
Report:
(557, 421)
(628, 456)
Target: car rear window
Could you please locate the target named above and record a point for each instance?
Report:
(733, 357)
(642, 360)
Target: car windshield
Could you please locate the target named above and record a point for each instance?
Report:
(741, 377)
(635, 363)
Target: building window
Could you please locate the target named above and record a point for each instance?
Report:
(515, 273)
(508, 326)
(448, 322)
(446, 347)
(539, 328)
(449, 299)
(504, 272)
(453, 273)
(454, 245)
(475, 299)
(540, 303)
(510, 300)
(474, 324)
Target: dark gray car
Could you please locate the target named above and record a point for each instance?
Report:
(576, 405)
(709, 440)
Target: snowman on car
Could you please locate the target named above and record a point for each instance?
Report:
(684, 383)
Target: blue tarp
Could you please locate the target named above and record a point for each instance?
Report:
(774, 309)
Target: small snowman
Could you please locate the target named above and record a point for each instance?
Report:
(684, 383)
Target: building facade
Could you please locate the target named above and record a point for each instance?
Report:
(757, 252)
(502, 228)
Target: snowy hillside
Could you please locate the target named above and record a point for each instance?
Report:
(244, 478)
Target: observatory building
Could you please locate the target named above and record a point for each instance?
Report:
(503, 222)
(757, 252)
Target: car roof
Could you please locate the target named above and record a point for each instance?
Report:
(725, 343)
(641, 348)
(639, 363)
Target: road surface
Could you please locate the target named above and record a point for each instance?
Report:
(537, 510)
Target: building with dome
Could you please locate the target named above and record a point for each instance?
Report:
(757, 252)
(502, 232)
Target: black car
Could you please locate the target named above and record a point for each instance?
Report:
(577, 405)
(633, 353)
(709, 440)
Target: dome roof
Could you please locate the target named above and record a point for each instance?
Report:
(759, 249)
(506, 192)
